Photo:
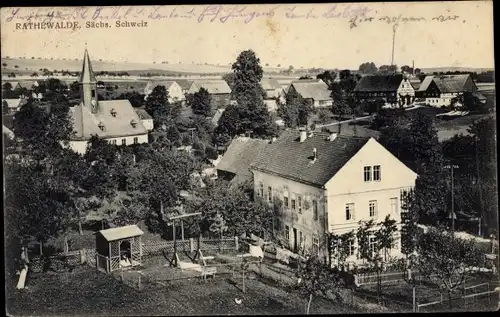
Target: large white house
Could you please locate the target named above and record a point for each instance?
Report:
(327, 184)
(175, 91)
(113, 120)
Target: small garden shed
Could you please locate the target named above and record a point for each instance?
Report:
(118, 248)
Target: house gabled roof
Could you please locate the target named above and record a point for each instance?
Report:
(14, 103)
(292, 159)
(425, 83)
(213, 86)
(415, 83)
(143, 114)
(8, 132)
(379, 83)
(270, 84)
(312, 89)
(119, 233)
(240, 154)
(165, 83)
(184, 83)
(86, 123)
(451, 83)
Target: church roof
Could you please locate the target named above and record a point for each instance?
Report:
(87, 124)
(87, 75)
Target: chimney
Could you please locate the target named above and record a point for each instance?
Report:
(332, 137)
(315, 154)
(303, 136)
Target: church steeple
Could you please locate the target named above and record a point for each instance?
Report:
(88, 84)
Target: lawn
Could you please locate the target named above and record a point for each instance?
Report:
(85, 292)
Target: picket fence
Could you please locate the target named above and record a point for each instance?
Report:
(61, 261)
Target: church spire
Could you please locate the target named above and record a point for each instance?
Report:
(88, 84)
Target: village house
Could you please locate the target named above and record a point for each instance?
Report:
(272, 88)
(234, 165)
(393, 89)
(327, 183)
(218, 89)
(146, 119)
(113, 120)
(439, 91)
(175, 92)
(313, 90)
(13, 105)
(185, 85)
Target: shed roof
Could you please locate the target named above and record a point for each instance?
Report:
(415, 83)
(312, 89)
(213, 86)
(143, 114)
(240, 155)
(379, 83)
(270, 84)
(119, 233)
(290, 158)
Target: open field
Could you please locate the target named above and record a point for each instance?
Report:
(76, 65)
(85, 292)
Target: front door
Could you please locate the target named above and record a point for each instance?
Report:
(295, 246)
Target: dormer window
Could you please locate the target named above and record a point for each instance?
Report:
(133, 123)
(113, 112)
(101, 126)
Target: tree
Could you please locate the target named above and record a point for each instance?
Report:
(4, 64)
(229, 79)
(340, 246)
(446, 260)
(200, 102)
(316, 279)
(296, 111)
(406, 69)
(328, 77)
(158, 106)
(136, 99)
(305, 77)
(368, 68)
(385, 69)
(251, 114)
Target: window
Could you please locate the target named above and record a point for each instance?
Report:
(368, 173)
(315, 246)
(352, 248)
(269, 194)
(394, 206)
(278, 225)
(93, 93)
(315, 209)
(136, 140)
(287, 232)
(373, 208)
(376, 173)
(293, 204)
(300, 237)
(372, 243)
(113, 142)
(261, 190)
(349, 211)
(124, 142)
(299, 203)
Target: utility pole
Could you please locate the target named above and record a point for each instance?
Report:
(479, 185)
(451, 168)
(393, 42)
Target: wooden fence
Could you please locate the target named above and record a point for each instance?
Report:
(63, 261)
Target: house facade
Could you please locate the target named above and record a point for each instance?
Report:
(439, 91)
(219, 91)
(13, 105)
(393, 89)
(313, 90)
(175, 91)
(328, 183)
(113, 120)
(272, 88)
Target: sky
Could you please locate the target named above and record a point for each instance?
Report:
(282, 35)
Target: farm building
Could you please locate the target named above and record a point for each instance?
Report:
(175, 92)
(272, 87)
(185, 84)
(392, 89)
(314, 90)
(113, 120)
(218, 89)
(439, 91)
(118, 248)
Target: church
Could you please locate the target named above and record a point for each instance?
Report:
(113, 120)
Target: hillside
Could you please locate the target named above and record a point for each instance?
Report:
(31, 65)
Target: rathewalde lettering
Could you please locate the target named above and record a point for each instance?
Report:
(127, 16)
